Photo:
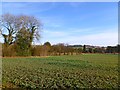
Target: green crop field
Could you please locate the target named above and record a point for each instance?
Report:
(62, 72)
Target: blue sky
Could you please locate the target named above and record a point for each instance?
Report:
(72, 23)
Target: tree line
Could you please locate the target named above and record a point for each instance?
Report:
(55, 50)
(19, 32)
(108, 49)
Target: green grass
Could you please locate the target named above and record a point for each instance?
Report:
(63, 72)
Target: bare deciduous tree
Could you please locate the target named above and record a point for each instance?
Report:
(32, 25)
(20, 30)
(11, 24)
(9, 27)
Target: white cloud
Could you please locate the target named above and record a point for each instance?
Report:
(52, 21)
(54, 34)
(81, 30)
(28, 7)
(104, 38)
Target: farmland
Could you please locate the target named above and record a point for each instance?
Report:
(62, 72)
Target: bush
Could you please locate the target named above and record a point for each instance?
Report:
(8, 50)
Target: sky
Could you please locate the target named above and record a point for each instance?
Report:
(91, 23)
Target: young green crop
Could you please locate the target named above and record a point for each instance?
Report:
(62, 72)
